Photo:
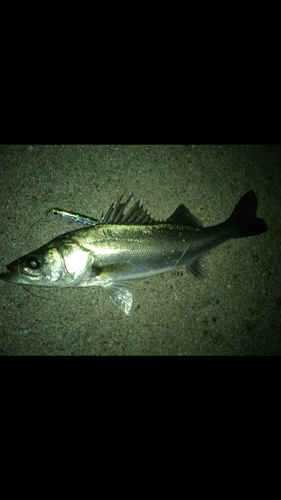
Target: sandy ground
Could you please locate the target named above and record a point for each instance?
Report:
(235, 310)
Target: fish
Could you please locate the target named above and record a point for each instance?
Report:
(125, 246)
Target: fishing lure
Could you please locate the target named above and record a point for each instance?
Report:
(72, 217)
(90, 221)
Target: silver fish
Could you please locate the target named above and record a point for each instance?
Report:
(124, 247)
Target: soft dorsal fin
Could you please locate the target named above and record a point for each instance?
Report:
(135, 215)
(183, 217)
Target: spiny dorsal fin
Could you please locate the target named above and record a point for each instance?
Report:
(183, 217)
(115, 212)
(135, 215)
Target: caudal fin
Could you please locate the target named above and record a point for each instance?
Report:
(244, 217)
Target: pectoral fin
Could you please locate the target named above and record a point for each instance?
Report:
(121, 293)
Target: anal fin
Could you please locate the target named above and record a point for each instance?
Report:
(196, 269)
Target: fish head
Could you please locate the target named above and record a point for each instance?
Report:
(54, 264)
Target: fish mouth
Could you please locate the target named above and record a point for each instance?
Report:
(9, 276)
(16, 277)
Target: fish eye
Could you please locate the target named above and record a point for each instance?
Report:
(33, 263)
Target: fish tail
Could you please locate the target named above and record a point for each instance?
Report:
(243, 218)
